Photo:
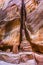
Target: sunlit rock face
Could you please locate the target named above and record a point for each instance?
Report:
(1, 3)
(35, 22)
(10, 27)
(9, 34)
(10, 30)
